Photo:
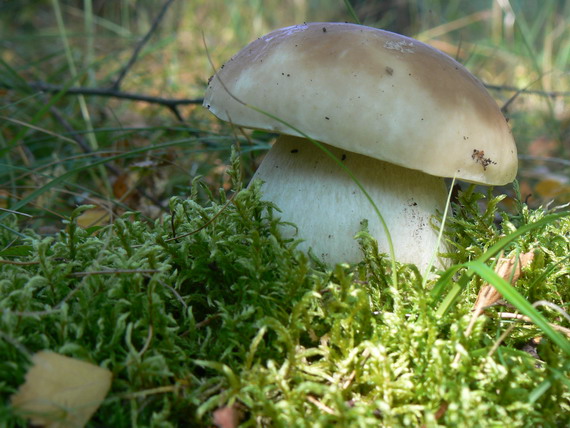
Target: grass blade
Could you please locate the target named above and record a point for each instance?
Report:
(352, 12)
(445, 280)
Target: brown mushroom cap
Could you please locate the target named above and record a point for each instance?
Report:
(371, 92)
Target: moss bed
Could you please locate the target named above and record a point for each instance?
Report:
(210, 308)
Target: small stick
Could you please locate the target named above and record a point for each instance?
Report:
(117, 84)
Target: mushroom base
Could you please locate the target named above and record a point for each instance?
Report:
(321, 199)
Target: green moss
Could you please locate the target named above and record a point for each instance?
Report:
(213, 307)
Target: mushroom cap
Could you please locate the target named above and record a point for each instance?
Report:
(371, 92)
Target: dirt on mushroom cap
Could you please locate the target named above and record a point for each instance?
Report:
(371, 92)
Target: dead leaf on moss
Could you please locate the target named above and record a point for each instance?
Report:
(61, 392)
(94, 217)
(510, 270)
(551, 188)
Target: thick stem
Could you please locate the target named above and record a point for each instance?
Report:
(326, 205)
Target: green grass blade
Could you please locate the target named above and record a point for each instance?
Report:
(12, 76)
(454, 293)
(446, 279)
(499, 246)
(352, 12)
(440, 233)
(38, 116)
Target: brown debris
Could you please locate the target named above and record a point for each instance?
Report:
(509, 269)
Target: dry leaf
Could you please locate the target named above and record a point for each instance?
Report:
(122, 185)
(509, 270)
(4, 195)
(93, 217)
(61, 392)
(551, 188)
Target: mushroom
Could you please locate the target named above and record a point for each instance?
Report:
(398, 113)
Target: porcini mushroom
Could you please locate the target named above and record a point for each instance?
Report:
(399, 113)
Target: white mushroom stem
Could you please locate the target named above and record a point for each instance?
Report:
(326, 205)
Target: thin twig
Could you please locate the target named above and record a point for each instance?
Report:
(108, 93)
(19, 346)
(175, 238)
(16, 263)
(153, 391)
(552, 306)
(37, 128)
(564, 162)
(117, 84)
(15, 212)
(78, 138)
(114, 271)
(176, 294)
(320, 405)
(524, 318)
(207, 321)
(174, 109)
(550, 94)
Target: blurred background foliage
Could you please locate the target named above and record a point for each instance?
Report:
(123, 155)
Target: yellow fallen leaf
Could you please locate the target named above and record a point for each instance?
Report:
(93, 217)
(61, 392)
(550, 188)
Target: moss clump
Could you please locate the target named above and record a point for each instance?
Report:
(211, 307)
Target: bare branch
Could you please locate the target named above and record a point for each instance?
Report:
(174, 103)
(117, 84)
(108, 93)
(551, 94)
